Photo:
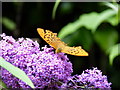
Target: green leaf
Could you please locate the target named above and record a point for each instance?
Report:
(105, 37)
(68, 29)
(114, 51)
(55, 8)
(82, 37)
(90, 21)
(2, 85)
(114, 6)
(9, 24)
(16, 72)
(113, 21)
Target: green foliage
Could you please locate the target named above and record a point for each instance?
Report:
(114, 6)
(114, 51)
(81, 37)
(114, 20)
(106, 37)
(16, 72)
(9, 24)
(2, 84)
(55, 8)
(90, 21)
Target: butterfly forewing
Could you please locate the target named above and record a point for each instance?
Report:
(50, 37)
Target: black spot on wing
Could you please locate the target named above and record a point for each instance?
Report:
(73, 50)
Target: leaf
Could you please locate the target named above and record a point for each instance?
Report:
(105, 37)
(16, 72)
(114, 51)
(55, 8)
(113, 21)
(9, 24)
(114, 6)
(76, 38)
(2, 85)
(90, 21)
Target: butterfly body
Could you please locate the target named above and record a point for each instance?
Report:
(52, 39)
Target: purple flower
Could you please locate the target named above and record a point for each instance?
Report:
(91, 78)
(42, 66)
(46, 69)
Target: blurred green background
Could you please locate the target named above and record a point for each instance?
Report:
(94, 26)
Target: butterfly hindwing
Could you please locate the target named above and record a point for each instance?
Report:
(77, 51)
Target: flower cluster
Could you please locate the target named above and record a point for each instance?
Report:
(46, 69)
(91, 78)
(41, 66)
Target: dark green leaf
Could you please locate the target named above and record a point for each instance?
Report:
(81, 37)
(106, 37)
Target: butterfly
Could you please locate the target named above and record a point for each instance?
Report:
(52, 39)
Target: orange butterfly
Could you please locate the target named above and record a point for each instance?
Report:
(52, 39)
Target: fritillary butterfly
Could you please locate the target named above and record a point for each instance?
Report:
(52, 39)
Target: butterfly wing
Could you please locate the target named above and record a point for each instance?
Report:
(77, 51)
(50, 37)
